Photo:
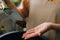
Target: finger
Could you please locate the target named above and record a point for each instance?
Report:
(27, 33)
(31, 35)
(30, 31)
(23, 35)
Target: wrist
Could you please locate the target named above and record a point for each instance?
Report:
(53, 25)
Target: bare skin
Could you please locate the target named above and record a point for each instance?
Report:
(1, 5)
(23, 10)
(40, 29)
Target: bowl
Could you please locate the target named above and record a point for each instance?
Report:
(16, 35)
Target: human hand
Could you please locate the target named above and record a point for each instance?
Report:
(1, 7)
(38, 30)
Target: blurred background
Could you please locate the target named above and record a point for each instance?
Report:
(10, 20)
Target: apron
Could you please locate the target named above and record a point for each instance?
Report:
(43, 11)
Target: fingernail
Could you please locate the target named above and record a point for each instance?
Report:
(22, 36)
(39, 34)
(25, 38)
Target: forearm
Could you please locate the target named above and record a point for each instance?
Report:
(56, 26)
(24, 7)
(12, 6)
